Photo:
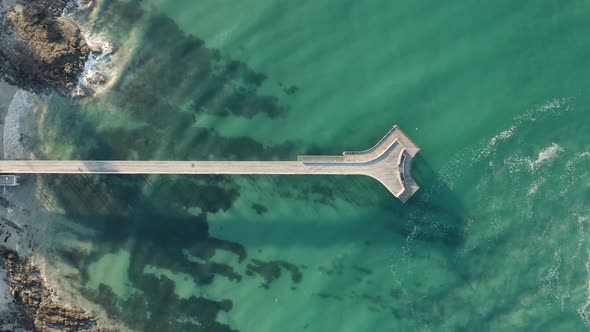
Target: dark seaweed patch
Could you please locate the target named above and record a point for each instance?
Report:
(176, 316)
(271, 271)
(259, 208)
(362, 270)
(169, 69)
(324, 295)
(170, 81)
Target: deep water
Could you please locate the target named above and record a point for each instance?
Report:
(496, 95)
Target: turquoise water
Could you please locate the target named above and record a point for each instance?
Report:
(496, 95)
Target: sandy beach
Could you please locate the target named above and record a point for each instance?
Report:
(16, 109)
(27, 210)
(6, 95)
(12, 225)
(6, 301)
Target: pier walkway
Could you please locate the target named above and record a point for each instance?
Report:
(389, 161)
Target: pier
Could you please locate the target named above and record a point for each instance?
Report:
(389, 162)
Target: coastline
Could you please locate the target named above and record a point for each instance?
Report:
(12, 225)
(7, 93)
(22, 233)
(22, 246)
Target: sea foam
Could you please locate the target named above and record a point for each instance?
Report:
(547, 154)
(98, 72)
(583, 310)
(20, 107)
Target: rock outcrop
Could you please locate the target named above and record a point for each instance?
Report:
(41, 312)
(40, 50)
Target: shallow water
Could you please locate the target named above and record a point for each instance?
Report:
(495, 95)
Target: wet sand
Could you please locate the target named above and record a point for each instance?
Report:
(14, 217)
(11, 234)
(24, 209)
(24, 206)
(6, 94)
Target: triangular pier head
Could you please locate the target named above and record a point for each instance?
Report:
(389, 161)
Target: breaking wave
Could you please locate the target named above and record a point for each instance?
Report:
(487, 149)
(99, 70)
(584, 310)
(545, 155)
(20, 107)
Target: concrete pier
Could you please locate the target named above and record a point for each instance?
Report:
(389, 161)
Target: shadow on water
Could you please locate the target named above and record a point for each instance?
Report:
(148, 215)
(165, 234)
(434, 213)
(150, 211)
(149, 220)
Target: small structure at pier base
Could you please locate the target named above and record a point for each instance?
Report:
(8, 180)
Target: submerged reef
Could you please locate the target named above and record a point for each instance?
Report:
(40, 50)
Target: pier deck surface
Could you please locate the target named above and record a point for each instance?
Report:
(389, 161)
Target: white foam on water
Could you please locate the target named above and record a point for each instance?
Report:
(20, 107)
(581, 222)
(504, 135)
(517, 163)
(530, 172)
(546, 155)
(553, 106)
(407, 248)
(92, 8)
(584, 309)
(82, 4)
(102, 66)
(551, 280)
(536, 185)
(579, 156)
(576, 172)
(487, 148)
(102, 70)
(514, 163)
(395, 278)
(98, 73)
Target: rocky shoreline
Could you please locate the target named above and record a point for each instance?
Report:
(39, 310)
(41, 50)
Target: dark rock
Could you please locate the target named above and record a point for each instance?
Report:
(40, 50)
(41, 312)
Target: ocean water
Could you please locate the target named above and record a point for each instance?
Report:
(495, 94)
